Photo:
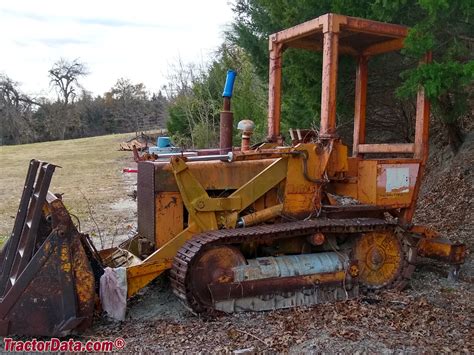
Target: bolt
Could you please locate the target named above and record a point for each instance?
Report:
(354, 270)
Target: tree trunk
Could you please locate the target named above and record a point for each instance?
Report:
(450, 121)
(455, 136)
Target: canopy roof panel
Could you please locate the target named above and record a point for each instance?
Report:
(357, 36)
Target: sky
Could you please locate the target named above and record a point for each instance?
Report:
(134, 39)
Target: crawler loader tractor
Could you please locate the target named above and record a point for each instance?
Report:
(249, 228)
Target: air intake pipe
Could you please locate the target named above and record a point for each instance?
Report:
(227, 117)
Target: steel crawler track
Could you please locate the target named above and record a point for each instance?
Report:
(191, 250)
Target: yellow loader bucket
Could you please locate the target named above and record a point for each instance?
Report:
(49, 271)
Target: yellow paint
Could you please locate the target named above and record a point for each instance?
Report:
(139, 276)
(282, 181)
(338, 162)
(191, 192)
(367, 181)
(168, 217)
(65, 263)
(379, 256)
(83, 276)
(302, 196)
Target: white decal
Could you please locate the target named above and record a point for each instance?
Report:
(398, 180)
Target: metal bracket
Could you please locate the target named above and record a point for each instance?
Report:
(218, 204)
(191, 190)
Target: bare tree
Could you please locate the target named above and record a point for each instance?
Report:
(76, 113)
(190, 88)
(130, 104)
(64, 77)
(16, 111)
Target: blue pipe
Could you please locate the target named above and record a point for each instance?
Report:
(229, 83)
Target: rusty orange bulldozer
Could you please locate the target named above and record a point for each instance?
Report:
(246, 228)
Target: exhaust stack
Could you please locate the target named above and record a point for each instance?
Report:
(227, 117)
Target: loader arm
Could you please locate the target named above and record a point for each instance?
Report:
(204, 212)
(208, 213)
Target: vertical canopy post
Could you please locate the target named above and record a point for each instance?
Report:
(274, 90)
(329, 77)
(422, 121)
(360, 104)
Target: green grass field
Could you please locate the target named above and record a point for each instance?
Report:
(90, 176)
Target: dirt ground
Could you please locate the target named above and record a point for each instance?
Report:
(432, 315)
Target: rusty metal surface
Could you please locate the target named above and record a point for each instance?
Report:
(41, 301)
(360, 104)
(55, 291)
(358, 36)
(329, 84)
(146, 200)
(169, 217)
(134, 144)
(222, 273)
(195, 198)
(274, 90)
(22, 245)
(142, 141)
(337, 34)
(260, 216)
(9, 250)
(144, 157)
(186, 257)
(331, 34)
(214, 266)
(301, 264)
(387, 183)
(387, 148)
(118, 257)
(317, 238)
(226, 131)
(259, 154)
(386, 259)
(212, 175)
(278, 285)
(380, 258)
(358, 211)
(443, 250)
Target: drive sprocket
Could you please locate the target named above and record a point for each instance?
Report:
(386, 259)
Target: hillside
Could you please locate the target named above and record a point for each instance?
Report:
(447, 194)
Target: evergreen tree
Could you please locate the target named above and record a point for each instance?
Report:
(445, 27)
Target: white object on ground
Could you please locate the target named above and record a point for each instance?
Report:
(113, 292)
